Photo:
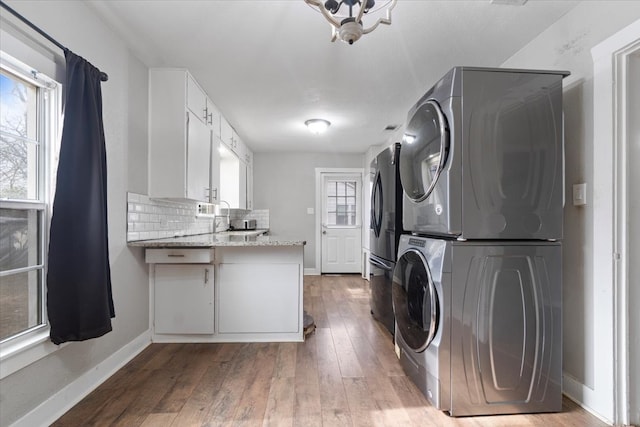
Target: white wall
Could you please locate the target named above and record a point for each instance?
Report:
(285, 184)
(567, 45)
(125, 120)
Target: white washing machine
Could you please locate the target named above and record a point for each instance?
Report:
(482, 156)
(478, 324)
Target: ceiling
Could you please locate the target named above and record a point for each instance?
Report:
(270, 65)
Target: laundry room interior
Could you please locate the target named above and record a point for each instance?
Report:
(319, 213)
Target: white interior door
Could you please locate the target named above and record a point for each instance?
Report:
(341, 228)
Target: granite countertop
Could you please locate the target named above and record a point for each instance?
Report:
(218, 240)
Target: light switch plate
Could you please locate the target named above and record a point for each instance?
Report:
(579, 194)
(310, 211)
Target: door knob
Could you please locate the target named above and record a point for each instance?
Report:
(324, 232)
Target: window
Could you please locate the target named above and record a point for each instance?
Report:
(28, 122)
(341, 203)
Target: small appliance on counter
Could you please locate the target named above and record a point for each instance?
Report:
(244, 224)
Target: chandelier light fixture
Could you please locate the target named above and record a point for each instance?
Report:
(346, 16)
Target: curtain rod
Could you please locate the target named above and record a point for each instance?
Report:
(103, 76)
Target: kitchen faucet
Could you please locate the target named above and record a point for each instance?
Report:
(228, 213)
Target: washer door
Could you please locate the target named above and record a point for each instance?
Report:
(415, 303)
(424, 151)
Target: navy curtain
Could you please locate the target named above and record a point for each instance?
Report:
(79, 300)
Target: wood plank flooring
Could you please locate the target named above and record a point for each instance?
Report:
(344, 374)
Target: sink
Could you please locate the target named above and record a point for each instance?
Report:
(242, 233)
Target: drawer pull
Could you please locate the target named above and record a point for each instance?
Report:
(176, 255)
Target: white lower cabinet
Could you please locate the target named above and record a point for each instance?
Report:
(183, 300)
(258, 298)
(257, 294)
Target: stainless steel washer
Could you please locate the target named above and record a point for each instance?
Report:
(478, 324)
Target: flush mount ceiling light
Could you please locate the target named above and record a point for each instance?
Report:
(317, 126)
(346, 16)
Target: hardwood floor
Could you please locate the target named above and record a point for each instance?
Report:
(344, 374)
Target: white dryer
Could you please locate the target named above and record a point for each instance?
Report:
(478, 324)
(482, 156)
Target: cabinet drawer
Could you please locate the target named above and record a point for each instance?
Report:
(179, 256)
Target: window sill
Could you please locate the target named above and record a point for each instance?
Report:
(17, 355)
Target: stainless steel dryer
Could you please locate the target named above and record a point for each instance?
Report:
(386, 228)
(478, 324)
(482, 156)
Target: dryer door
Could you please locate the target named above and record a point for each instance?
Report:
(415, 303)
(424, 151)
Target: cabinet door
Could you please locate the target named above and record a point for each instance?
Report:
(198, 159)
(238, 146)
(214, 170)
(242, 186)
(183, 300)
(213, 119)
(229, 177)
(226, 132)
(249, 186)
(196, 99)
(258, 298)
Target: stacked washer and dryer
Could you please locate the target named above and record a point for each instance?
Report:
(477, 286)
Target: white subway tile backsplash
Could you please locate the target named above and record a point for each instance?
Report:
(260, 215)
(153, 219)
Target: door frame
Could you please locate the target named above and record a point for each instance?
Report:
(610, 247)
(318, 216)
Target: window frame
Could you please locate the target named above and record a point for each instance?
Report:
(342, 178)
(33, 343)
(337, 198)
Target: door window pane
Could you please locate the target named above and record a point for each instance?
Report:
(341, 203)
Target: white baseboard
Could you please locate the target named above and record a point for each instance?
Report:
(54, 407)
(311, 272)
(583, 396)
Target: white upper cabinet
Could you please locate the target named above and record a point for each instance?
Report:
(236, 169)
(213, 119)
(215, 170)
(232, 140)
(242, 187)
(249, 186)
(227, 133)
(198, 159)
(185, 133)
(196, 99)
(180, 157)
